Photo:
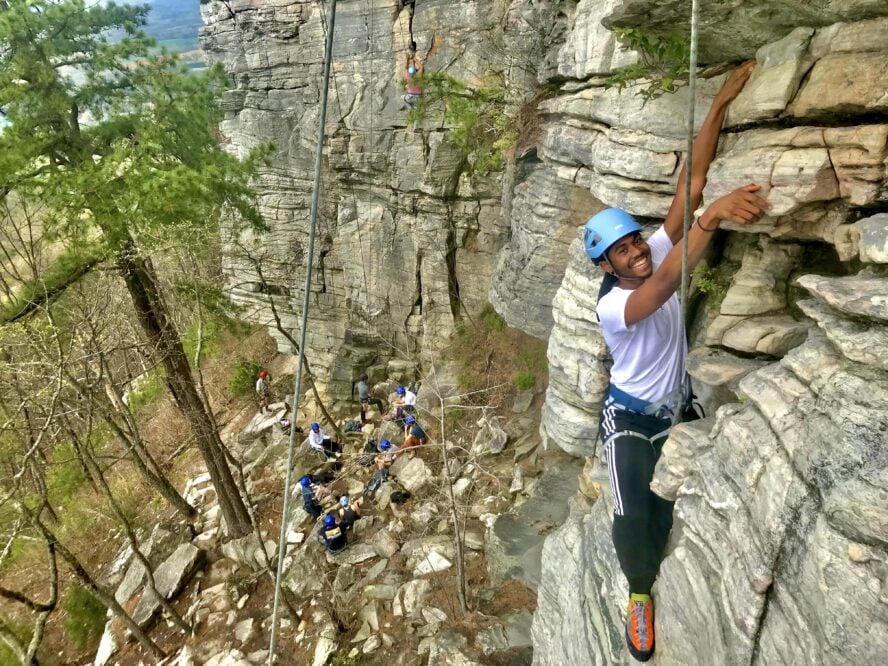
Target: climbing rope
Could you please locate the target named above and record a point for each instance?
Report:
(306, 304)
(688, 212)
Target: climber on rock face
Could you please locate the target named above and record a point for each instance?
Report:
(320, 441)
(413, 68)
(348, 512)
(649, 391)
(309, 502)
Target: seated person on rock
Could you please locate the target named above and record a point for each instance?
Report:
(388, 453)
(332, 536)
(309, 501)
(404, 404)
(414, 435)
(320, 441)
(649, 391)
(348, 512)
(286, 424)
(366, 399)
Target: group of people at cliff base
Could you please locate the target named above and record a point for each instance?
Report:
(333, 533)
(315, 490)
(403, 404)
(641, 322)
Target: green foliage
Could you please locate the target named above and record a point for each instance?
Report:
(239, 584)
(64, 269)
(84, 617)
(662, 66)
(148, 170)
(534, 358)
(463, 379)
(243, 378)
(23, 632)
(706, 280)
(491, 319)
(214, 328)
(342, 659)
(65, 476)
(147, 389)
(524, 380)
(479, 127)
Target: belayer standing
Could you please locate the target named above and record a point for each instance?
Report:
(263, 391)
(366, 399)
(649, 389)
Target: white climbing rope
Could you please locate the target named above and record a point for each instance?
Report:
(306, 303)
(689, 163)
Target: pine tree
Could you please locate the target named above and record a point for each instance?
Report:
(120, 147)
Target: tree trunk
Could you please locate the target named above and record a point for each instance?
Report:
(158, 328)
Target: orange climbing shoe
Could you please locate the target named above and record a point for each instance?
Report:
(640, 626)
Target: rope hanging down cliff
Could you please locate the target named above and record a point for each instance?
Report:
(306, 304)
(689, 163)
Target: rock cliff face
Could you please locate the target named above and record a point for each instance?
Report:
(780, 513)
(781, 510)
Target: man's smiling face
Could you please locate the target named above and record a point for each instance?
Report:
(630, 258)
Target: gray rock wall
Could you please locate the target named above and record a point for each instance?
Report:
(780, 513)
(406, 243)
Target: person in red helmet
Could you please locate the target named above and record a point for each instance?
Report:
(263, 391)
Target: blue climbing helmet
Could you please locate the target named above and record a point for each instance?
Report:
(410, 420)
(316, 426)
(343, 501)
(606, 228)
(305, 481)
(401, 390)
(329, 521)
(385, 445)
(411, 70)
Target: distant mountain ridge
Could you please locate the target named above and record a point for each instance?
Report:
(172, 20)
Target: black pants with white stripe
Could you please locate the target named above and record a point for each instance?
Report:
(642, 520)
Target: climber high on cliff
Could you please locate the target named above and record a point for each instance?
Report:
(649, 389)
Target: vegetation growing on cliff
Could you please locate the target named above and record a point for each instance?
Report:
(480, 126)
(662, 65)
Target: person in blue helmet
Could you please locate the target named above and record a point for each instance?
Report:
(414, 435)
(649, 391)
(413, 70)
(322, 442)
(309, 501)
(404, 403)
(332, 536)
(387, 454)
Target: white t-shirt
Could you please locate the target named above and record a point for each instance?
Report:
(261, 386)
(316, 439)
(649, 355)
(409, 397)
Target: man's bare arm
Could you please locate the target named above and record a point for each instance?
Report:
(705, 146)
